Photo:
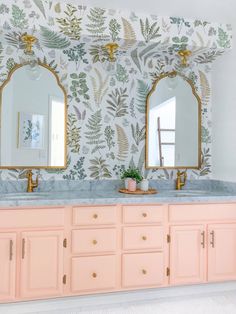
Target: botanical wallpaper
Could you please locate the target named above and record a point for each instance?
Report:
(106, 113)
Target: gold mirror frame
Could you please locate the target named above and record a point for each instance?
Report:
(173, 74)
(11, 72)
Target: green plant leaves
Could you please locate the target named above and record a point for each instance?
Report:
(51, 39)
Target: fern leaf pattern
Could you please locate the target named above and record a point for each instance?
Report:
(99, 169)
(99, 86)
(123, 143)
(106, 111)
(51, 39)
(97, 19)
(142, 91)
(117, 106)
(129, 34)
(205, 88)
(94, 133)
(149, 32)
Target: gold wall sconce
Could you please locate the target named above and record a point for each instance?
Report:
(29, 58)
(184, 56)
(111, 50)
(29, 41)
(110, 65)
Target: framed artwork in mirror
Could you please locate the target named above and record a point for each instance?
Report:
(30, 130)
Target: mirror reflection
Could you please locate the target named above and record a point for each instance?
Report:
(173, 124)
(33, 119)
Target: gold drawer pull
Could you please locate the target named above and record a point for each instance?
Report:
(144, 215)
(23, 248)
(212, 242)
(144, 238)
(94, 275)
(11, 250)
(95, 216)
(95, 242)
(203, 239)
(144, 271)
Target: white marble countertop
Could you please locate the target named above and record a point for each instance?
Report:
(61, 198)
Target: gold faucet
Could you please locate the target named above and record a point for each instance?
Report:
(31, 183)
(179, 182)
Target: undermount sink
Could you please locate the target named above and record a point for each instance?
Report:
(20, 196)
(189, 193)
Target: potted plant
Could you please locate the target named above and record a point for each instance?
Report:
(132, 176)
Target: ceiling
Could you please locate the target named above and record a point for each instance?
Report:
(210, 10)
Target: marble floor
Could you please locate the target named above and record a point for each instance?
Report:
(210, 304)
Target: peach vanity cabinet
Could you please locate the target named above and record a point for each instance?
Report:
(74, 250)
(31, 253)
(203, 243)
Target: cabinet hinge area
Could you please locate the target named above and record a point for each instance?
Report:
(65, 242)
(167, 271)
(64, 280)
(168, 238)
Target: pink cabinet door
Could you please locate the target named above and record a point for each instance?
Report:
(7, 266)
(187, 254)
(222, 252)
(41, 264)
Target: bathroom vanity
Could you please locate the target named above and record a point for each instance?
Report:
(136, 243)
(68, 115)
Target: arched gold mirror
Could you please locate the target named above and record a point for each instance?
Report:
(33, 119)
(173, 124)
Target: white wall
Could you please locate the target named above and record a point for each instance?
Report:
(223, 76)
(212, 10)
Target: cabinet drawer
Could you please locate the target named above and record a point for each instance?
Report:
(143, 269)
(94, 215)
(144, 214)
(30, 218)
(201, 212)
(93, 240)
(93, 273)
(136, 238)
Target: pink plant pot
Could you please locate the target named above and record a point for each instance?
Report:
(132, 185)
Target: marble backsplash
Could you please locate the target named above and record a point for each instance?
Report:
(113, 185)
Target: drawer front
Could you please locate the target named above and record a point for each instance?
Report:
(29, 218)
(136, 238)
(143, 214)
(201, 212)
(95, 215)
(93, 273)
(143, 270)
(93, 241)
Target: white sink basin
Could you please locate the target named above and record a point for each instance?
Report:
(22, 196)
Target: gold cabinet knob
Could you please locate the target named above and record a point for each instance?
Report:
(95, 242)
(94, 275)
(144, 215)
(144, 271)
(144, 238)
(95, 216)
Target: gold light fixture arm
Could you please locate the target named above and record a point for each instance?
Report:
(111, 49)
(184, 55)
(29, 41)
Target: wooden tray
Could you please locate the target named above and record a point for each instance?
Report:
(139, 192)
